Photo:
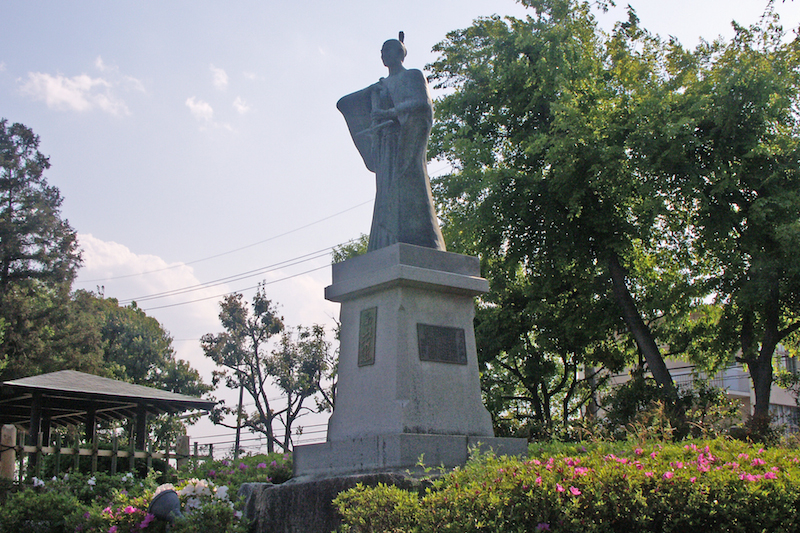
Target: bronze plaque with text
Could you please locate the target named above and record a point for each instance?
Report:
(441, 344)
(367, 328)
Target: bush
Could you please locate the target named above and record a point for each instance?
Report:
(710, 486)
(37, 510)
(381, 508)
(263, 468)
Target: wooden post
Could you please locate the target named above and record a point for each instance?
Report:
(33, 429)
(58, 454)
(91, 424)
(196, 452)
(39, 456)
(131, 458)
(141, 426)
(76, 459)
(21, 456)
(115, 451)
(182, 450)
(94, 453)
(8, 451)
(210, 452)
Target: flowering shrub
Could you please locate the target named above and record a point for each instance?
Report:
(125, 514)
(270, 468)
(207, 507)
(35, 509)
(710, 486)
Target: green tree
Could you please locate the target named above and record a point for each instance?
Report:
(134, 347)
(35, 243)
(39, 258)
(350, 249)
(737, 160)
(242, 352)
(540, 126)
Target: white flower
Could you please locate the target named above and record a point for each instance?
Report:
(91, 481)
(164, 487)
(193, 503)
(222, 493)
(238, 514)
(38, 482)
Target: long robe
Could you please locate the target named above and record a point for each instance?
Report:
(396, 151)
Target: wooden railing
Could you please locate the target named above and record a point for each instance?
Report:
(18, 459)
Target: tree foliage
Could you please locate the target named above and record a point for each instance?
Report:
(43, 326)
(38, 260)
(612, 184)
(296, 366)
(740, 166)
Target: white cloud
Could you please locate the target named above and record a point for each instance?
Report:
(78, 93)
(240, 105)
(2, 66)
(220, 77)
(200, 109)
(250, 75)
(101, 66)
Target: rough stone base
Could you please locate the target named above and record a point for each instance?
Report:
(306, 506)
(398, 452)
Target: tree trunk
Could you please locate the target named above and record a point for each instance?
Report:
(761, 366)
(641, 333)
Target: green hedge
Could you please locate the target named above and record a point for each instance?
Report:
(710, 486)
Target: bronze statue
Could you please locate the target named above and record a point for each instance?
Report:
(390, 122)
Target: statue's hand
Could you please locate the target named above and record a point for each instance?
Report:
(384, 114)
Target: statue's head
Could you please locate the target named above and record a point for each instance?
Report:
(393, 51)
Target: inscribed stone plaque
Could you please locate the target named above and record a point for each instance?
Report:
(366, 336)
(441, 344)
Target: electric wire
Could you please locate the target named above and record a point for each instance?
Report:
(324, 252)
(236, 291)
(229, 251)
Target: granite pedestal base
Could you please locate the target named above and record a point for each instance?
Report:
(408, 371)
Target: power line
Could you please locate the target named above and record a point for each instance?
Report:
(229, 251)
(235, 277)
(234, 292)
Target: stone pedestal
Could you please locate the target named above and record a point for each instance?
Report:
(408, 374)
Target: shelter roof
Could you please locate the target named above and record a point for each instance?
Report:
(67, 395)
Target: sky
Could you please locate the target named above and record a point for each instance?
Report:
(197, 144)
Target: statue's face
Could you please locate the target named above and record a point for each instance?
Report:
(392, 53)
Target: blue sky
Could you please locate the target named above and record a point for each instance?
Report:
(195, 141)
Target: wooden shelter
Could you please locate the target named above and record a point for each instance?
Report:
(69, 397)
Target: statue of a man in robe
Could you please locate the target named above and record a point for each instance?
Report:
(390, 122)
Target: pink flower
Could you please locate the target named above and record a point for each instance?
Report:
(770, 475)
(129, 510)
(538, 480)
(648, 474)
(559, 488)
(692, 479)
(668, 475)
(261, 465)
(146, 522)
(653, 455)
(112, 529)
(575, 491)
(543, 526)
(758, 461)
(638, 451)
